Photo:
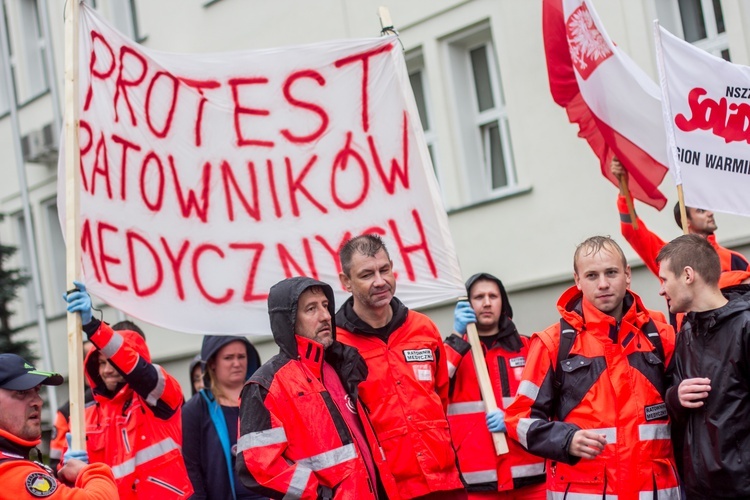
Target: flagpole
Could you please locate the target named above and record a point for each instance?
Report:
(36, 279)
(666, 109)
(72, 232)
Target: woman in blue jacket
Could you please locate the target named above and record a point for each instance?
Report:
(210, 419)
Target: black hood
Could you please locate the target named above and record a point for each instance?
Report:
(506, 310)
(213, 343)
(282, 310)
(507, 336)
(195, 362)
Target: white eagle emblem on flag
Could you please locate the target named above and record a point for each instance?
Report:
(588, 48)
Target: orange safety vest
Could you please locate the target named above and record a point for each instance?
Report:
(481, 467)
(406, 394)
(615, 389)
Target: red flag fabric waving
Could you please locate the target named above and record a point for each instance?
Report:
(615, 104)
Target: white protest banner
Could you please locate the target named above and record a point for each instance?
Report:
(706, 103)
(205, 179)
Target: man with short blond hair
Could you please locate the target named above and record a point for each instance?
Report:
(708, 397)
(592, 395)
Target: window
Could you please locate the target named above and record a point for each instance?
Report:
(124, 18)
(483, 121)
(4, 100)
(418, 81)
(55, 251)
(26, 311)
(32, 56)
(700, 22)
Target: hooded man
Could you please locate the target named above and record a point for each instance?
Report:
(21, 433)
(300, 432)
(517, 474)
(134, 425)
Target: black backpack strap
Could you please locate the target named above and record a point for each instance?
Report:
(652, 334)
(567, 337)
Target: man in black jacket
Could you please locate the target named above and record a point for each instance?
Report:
(709, 399)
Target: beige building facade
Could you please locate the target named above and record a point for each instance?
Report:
(521, 189)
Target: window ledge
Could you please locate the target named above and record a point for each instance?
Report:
(494, 198)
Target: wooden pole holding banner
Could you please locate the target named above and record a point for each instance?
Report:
(72, 232)
(386, 24)
(625, 192)
(683, 211)
(485, 385)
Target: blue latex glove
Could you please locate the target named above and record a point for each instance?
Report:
(80, 302)
(462, 316)
(75, 454)
(496, 421)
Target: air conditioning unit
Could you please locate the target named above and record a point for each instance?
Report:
(41, 145)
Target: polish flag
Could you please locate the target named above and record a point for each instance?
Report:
(615, 104)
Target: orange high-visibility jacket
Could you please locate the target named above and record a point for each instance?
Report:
(613, 388)
(406, 394)
(294, 440)
(138, 430)
(481, 467)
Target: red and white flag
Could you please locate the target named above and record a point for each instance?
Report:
(707, 116)
(615, 104)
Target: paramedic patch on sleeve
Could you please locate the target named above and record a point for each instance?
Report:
(40, 485)
(418, 355)
(656, 412)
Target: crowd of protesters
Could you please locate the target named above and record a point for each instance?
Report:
(369, 400)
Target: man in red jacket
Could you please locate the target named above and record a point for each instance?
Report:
(135, 424)
(592, 395)
(647, 244)
(406, 391)
(517, 474)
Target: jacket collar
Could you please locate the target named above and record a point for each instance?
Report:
(582, 315)
(311, 354)
(14, 445)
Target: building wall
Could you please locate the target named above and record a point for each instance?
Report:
(524, 233)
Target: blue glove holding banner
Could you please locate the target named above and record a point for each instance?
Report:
(81, 455)
(79, 301)
(496, 421)
(462, 316)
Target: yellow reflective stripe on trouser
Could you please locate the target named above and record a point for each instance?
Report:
(267, 437)
(324, 460)
(154, 451)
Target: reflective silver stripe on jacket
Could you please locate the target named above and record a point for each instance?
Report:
(648, 432)
(523, 429)
(529, 470)
(297, 485)
(466, 408)
(507, 402)
(158, 392)
(561, 495)
(114, 344)
(480, 477)
(528, 389)
(665, 494)
(451, 369)
(154, 451)
(610, 433)
(267, 437)
(330, 458)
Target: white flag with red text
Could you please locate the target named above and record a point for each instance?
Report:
(615, 104)
(207, 178)
(707, 114)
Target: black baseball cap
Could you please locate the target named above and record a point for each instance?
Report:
(16, 374)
